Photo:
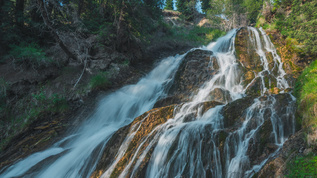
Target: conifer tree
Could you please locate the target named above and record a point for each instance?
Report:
(169, 5)
(205, 5)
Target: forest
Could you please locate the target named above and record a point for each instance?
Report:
(57, 56)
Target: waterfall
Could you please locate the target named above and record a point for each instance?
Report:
(77, 154)
(197, 152)
(189, 144)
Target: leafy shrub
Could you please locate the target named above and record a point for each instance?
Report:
(199, 35)
(29, 55)
(100, 81)
(300, 24)
(303, 166)
(43, 103)
(305, 90)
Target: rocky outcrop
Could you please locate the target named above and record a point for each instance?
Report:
(277, 166)
(191, 75)
(251, 64)
(293, 62)
(234, 114)
(248, 57)
(144, 131)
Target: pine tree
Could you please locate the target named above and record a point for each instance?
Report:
(181, 5)
(169, 5)
(205, 5)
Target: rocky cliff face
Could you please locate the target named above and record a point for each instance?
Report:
(252, 113)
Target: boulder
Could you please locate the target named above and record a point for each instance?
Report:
(196, 68)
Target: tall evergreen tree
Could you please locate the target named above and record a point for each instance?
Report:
(182, 5)
(169, 5)
(205, 5)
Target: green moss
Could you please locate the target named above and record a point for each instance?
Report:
(305, 91)
(303, 166)
(29, 55)
(100, 81)
(35, 105)
(197, 35)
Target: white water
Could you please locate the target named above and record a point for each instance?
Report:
(77, 155)
(188, 158)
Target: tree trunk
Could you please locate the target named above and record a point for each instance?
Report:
(1, 15)
(120, 28)
(80, 7)
(19, 13)
(54, 31)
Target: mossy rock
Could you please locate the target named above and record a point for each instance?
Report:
(150, 120)
(219, 95)
(246, 51)
(196, 68)
(255, 87)
(234, 112)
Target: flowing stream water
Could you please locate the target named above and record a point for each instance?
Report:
(181, 147)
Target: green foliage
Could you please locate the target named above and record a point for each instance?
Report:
(205, 5)
(100, 81)
(187, 8)
(303, 166)
(197, 35)
(252, 8)
(30, 55)
(305, 91)
(42, 103)
(169, 5)
(300, 24)
(33, 106)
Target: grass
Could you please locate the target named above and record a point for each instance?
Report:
(199, 35)
(29, 55)
(306, 92)
(34, 106)
(303, 166)
(100, 81)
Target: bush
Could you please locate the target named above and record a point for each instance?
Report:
(29, 55)
(303, 166)
(100, 81)
(305, 91)
(300, 24)
(42, 103)
(199, 35)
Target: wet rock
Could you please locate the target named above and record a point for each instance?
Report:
(110, 151)
(99, 64)
(254, 88)
(276, 166)
(145, 124)
(219, 95)
(234, 112)
(246, 51)
(193, 72)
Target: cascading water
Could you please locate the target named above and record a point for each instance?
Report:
(188, 144)
(185, 148)
(77, 155)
